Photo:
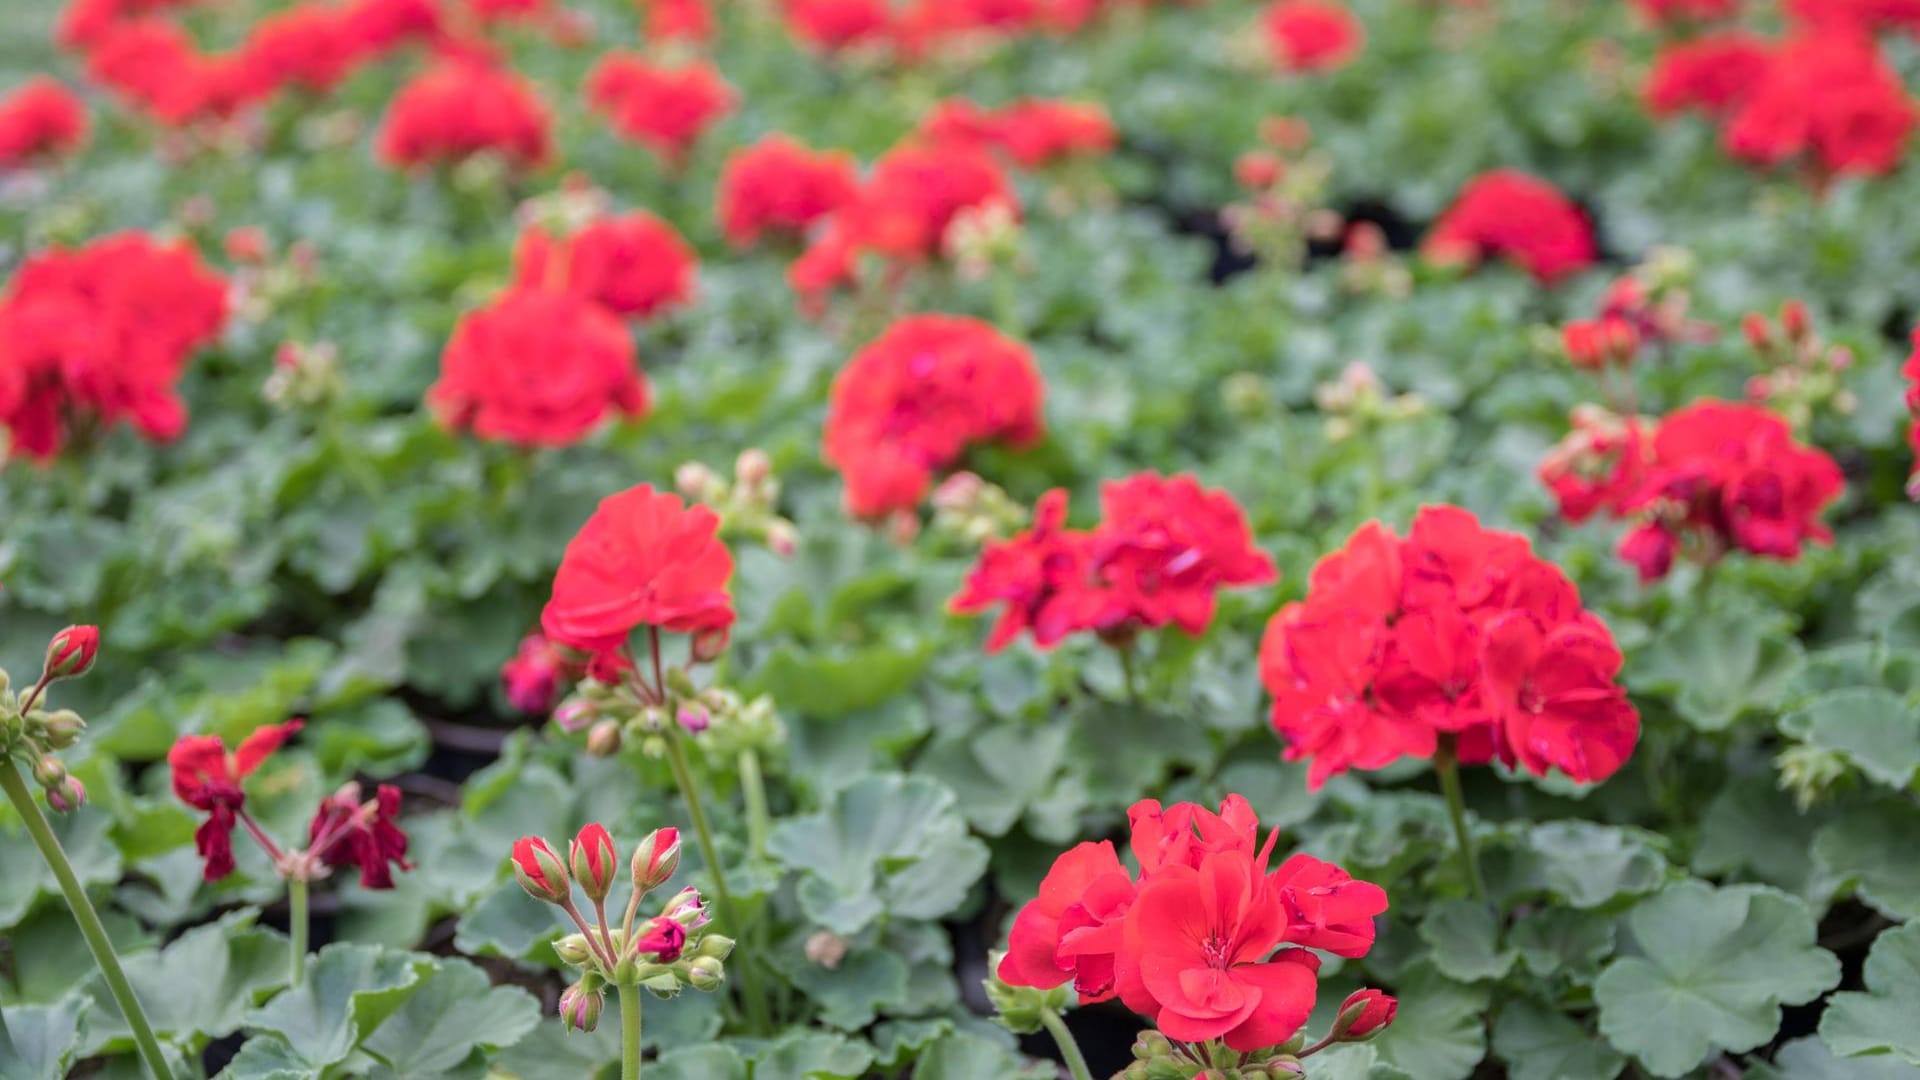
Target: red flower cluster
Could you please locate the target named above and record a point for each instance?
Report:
(1456, 632)
(1830, 98)
(911, 403)
(1713, 73)
(346, 830)
(1721, 477)
(777, 185)
(1164, 548)
(1207, 943)
(833, 25)
(103, 331)
(155, 67)
(1599, 465)
(643, 559)
(1033, 132)
(459, 108)
(537, 367)
(679, 20)
(41, 119)
(663, 108)
(634, 265)
(84, 24)
(1522, 218)
(1311, 35)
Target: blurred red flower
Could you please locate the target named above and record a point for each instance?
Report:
(663, 108)
(634, 264)
(1032, 132)
(1312, 35)
(1508, 214)
(1831, 97)
(459, 108)
(41, 119)
(778, 185)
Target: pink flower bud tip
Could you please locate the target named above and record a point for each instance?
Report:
(655, 860)
(1364, 1014)
(540, 871)
(68, 795)
(71, 652)
(594, 859)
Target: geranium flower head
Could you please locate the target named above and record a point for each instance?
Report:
(1166, 545)
(1553, 692)
(833, 25)
(1713, 73)
(1831, 97)
(347, 831)
(643, 559)
(459, 108)
(915, 192)
(1072, 930)
(207, 777)
(1031, 132)
(1311, 35)
(532, 677)
(1509, 214)
(633, 264)
(778, 185)
(41, 119)
(663, 108)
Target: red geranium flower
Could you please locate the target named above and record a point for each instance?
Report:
(1042, 577)
(915, 192)
(40, 119)
(84, 24)
(1910, 371)
(1714, 73)
(1312, 35)
(679, 20)
(207, 778)
(379, 25)
(1185, 833)
(1553, 693)
(1326, 907)
(459, 108)
(537, 368)
(643, 559)
(911, 402)
(1599, 465)
(1508, 214)
(1033, 132)
(310, 45)
(664, 108)
(1831, 97)
(1072, 930)
(634, 264)
(347, 832)
(155, 67)
(781, 186)
(1166, 545)
(832, 25)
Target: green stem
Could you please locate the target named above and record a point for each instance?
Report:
(629, 1032)
(297, 930)
(753, 789)
(1447, 764)
(1069, 1046)
(89, 920)
(1127, 672)
(749, 975)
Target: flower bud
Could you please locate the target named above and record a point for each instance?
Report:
(69, 794)
(661, 940)
(696, 481)
(706, 973)
(1793, 320)
(687, 909)
(593, 859)
(603, 740)
(1150, 1045)
(752, 467)
(1759, 334)
(49, 771)
(694, 719)
(62, 729)
(714, 947)
(655, 860)
(1585, 344)
(574, 715)
(707, 645)
(1363, 1015)
(71, 652)
(540, 871)
(783, 538)
(827, 949)
(580, 1008)
(573, 950)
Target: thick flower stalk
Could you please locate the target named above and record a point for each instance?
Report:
(660, 954)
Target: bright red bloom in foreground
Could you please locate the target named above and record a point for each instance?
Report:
(41, 119)
(1312, 35)
(1830, 97)
(207, 778)
(1508, 214)
(634, 264)
(537, 368)
(911, 403)
(1723, 477)
(348, 832)
(1712, 73)
(778, 185)
(456, 109)
(643, 559)
(1208, 943)
(1159, 556)
(1033, 132)
(663, 108)
(1393, 650)
(105, 330)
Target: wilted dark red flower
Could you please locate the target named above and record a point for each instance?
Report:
(537, 368)
(1714, 73)
(39, 120)
(778, 185)
(663, 108)
(1831, 97)
(1032, 132)
(1311, 35)
(459, 108)
(643, 559)
(1508, 214)
(348, 832)
(207, 778)
(104, 330)
(911, 402)
(634, 264)
(1388, 654)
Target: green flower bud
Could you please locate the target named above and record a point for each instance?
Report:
(62, 729)
(713, 947)
(49, 771)
(705, 973)
(1020, 1009)
(573, 950)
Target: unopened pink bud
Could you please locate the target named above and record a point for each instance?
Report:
(656, 859)
(694, 719)
(1794, 320)
(69, 795)
(709, 645)
(1363, 1015)
(580, 1008)
(593, 859)
(540, 871)
(71, 652)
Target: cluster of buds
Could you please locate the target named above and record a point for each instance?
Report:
(565, 211)
(747, 506)
(971, 511)
(1811, 773)
(1599, 463)
(32, 734)
(663, 953)
(1286, 187)
(982, 239)
(261, 282)
(304, 376)
(1357, 403)
(719, 719)
(1368, 266)
(1805, 375)
(1646, 307)
(1362, 1016)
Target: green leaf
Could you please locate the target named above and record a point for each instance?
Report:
(1719, 665)
(1872, 848)
(1753, 826)
(854, 992)
(1462, 939)
(199, 987)
(966, 1056)
(837, 684)
(551, 1050)
(1538, 1043)
(1354, 1061)
(37, 1042)
(267, 1057)
(699, 1063)
(1715, 967)
(806, 1055)
(454, 1012)
(1562, 941)
(996, 774)
(1582, 863)
(887, 845)
(1809, 1059)
(1873, 728)
(1126, 749)
(82, 834)
(508, 922)
(1881, 1020)
(1439, 1032)
(50, 957)
(349, 991)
